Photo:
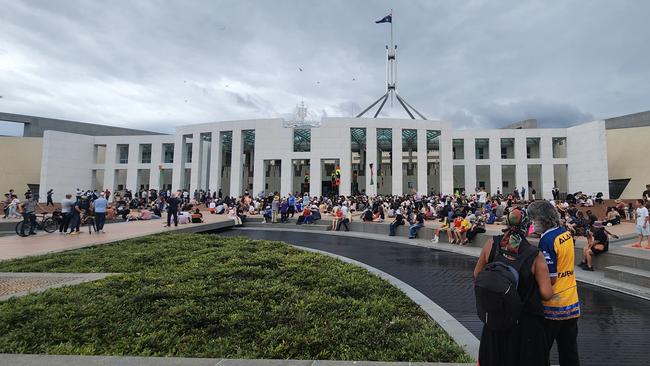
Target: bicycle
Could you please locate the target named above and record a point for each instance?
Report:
(48, 224)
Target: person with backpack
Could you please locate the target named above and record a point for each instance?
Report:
(513, 321)
(561, 312)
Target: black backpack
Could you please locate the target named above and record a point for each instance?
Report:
(498, 303)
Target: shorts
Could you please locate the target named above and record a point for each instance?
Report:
(596, 251)
(641, 231)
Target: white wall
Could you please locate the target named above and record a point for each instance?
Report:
(587, 161)
(66, 164)
(587, 158)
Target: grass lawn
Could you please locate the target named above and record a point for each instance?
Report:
(196, 295)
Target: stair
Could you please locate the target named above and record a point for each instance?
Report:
(289, 225)
(639, 277)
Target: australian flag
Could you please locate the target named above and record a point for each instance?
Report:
(387, 19)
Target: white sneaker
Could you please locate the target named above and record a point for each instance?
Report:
(435, 239)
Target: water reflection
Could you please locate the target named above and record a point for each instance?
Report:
(614, 327)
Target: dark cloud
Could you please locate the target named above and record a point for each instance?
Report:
(474, 63)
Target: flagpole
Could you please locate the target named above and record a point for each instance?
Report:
(391, 27)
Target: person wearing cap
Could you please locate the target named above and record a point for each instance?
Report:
(598, 246)
(100, 205)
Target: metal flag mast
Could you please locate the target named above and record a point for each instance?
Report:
(391, 78)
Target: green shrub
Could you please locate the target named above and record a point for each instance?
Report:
(197, 295)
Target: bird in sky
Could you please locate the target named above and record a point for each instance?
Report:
(300, 68)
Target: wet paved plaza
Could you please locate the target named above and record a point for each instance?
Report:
(614, 328)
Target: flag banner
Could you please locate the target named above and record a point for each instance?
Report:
(387, 19)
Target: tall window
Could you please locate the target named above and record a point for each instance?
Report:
(168, 153)
(559, 147)
(482, 148)
(507, 148)
(302, 139)
(145, 153)
(458, 148)
(188, 149)
(123, 154)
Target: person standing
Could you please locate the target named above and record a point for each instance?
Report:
(66, 210)
(556, 193)
(533, 192)
(172, 209)
(482, 197)
(275, 208)
(49, 198)
(642, 224)
(100, 204)
(523, 343)
(28, 210)
(562, 311)
(292, 204)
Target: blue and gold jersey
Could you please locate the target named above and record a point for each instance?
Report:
(558, 248)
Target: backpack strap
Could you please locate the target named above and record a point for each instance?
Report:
(496, 240)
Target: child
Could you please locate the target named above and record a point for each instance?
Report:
(445, 227)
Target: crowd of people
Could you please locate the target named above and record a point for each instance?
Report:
(461, 216)
(545, 308)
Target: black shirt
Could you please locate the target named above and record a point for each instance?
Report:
(646, 194)
(600, 237)
(172, 204)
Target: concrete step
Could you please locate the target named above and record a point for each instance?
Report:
(610, 259)
(314, 227)
(631, 275)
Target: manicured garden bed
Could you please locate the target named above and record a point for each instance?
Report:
(198, 295)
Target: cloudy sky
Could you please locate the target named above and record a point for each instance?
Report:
(155, 64)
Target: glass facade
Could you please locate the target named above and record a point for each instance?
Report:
(168, 153)
(122, 154)
(384, 161)
(409, 161)
(433, 161)
(358, 151)
(145, 153)
(301, 139)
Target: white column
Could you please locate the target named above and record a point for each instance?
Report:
(286, 176)
(446, 163)
(197, 154)
(215, 162)
(315, 176)
(178, 167)
(422, 180)
(109, 167)
(548, 175)
(496, 174)
(521, 159)
(397, 162)
(235, 165)
(469, 147)
(345, 162)
(156, 161)
(371, 158)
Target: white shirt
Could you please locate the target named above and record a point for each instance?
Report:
(641, 214)
(482, 197)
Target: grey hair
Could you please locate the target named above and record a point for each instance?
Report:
(543, 215)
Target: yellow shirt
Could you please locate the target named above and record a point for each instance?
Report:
(558, 248)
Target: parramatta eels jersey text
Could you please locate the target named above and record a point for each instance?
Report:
(558, 248)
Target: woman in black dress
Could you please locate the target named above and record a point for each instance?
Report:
(525, 343)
